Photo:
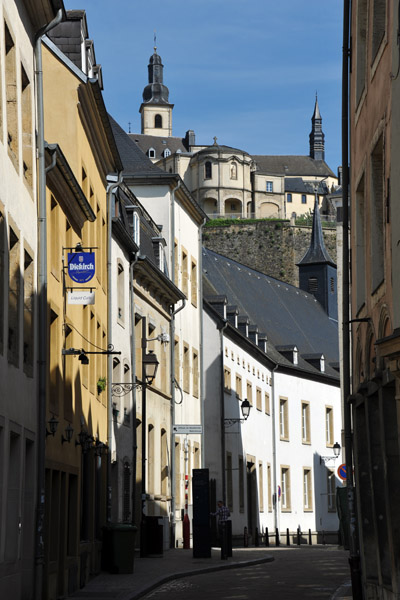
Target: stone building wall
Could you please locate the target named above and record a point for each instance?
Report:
(272, 247)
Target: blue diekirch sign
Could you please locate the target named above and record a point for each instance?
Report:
(81, 266)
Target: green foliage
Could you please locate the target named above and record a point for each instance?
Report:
(227, 222)
(101, 384)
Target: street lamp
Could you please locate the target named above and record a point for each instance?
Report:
(245, 408)
(336, 452)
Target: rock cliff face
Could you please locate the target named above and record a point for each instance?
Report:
(272, 247)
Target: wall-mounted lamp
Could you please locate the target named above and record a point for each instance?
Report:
(100, 448)
(336, 451)
(85, 440)
(83, 354)
(69, 431)
(245, 408)
(150, 366)
(53, 424)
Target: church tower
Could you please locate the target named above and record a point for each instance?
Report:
(317, 271)
(317, 136)
(155, 110)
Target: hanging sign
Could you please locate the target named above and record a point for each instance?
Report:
(81, 266)
(82, 297)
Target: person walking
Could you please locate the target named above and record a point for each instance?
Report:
(223, 514)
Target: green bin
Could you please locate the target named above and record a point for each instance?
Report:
(118, 547)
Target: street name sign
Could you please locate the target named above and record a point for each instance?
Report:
(185, 429)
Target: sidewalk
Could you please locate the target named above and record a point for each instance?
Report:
(150, 573)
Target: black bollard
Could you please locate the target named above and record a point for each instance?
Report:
(309, 537)
(298, 536)
(276, 537)
(266, 537)
(245, 538)
(224, 548)
(287, 537)
(323, 537)
(256, 540)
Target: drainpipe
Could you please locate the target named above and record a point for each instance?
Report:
(274, 469)
(172, 358)
(172, 461)
(222, 410)
(110, 191)
(201, 349)
(42, 313)
(354, 558)
(133, 380)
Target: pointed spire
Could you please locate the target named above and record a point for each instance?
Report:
(317, 137)
(317, 253)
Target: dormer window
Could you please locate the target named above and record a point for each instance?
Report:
(167, 152)
(295, 356)
(151, 153)
(207, 170)
(158, 122)
(136, 228)
(322, 362)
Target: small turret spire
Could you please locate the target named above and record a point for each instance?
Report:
(317, 137)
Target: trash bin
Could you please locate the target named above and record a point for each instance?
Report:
(154, 536)
(118, 547)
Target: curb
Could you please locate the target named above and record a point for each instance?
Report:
(343, 592)
(202, 571)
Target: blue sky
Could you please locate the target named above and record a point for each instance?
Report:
(246, 71)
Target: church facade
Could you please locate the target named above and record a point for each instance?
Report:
(229, 182)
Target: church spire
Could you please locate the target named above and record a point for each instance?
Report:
(317, 136)
(317, 253)
(317, 271)
(156, 110)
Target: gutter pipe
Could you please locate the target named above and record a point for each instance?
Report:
(133, 373)
(275, 498)
(201, 349)
(222, 411)
(354, 557)
(110, 192)
(42, 313)
(172, 359)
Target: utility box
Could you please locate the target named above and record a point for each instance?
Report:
(201, 514)
(118, 547)
(154, 542)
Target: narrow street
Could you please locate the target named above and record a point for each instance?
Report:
(294, 574)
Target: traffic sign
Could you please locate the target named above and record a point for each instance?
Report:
(185, 429)
(342, 471)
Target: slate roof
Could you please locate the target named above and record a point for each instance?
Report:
(298, 185)
(221, 148)
(292, 166)
(285, 313)
(145, 142)
(133, 159)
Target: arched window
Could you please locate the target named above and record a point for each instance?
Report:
(207, 170)
(151, 153)
(167, 152)
(158, 121)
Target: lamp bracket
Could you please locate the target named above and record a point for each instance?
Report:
(121, 389)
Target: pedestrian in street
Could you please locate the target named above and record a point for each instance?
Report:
(223, 515)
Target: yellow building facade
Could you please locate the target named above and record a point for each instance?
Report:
(79, 154)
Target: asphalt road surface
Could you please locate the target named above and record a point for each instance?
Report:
(294, 574)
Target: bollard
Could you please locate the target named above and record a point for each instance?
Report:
(266, 537)
(287, 537)
(276, 537)
(323, 537)
(245, 538)
(256, 540)
(224, 542)
(298, 536)
(309, 537)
